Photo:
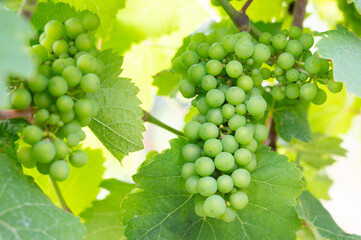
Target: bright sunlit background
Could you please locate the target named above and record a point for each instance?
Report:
(148, 57)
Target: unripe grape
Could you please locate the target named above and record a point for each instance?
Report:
(90, 83)
(59, 170)
(47, 42)
(266, 73)
(239, 200)
(229, 41)
(32, 134)
(292, 75)
(60, 47)
(241, 109)
(236, 122)
(202, 105)
(252, 146)
(256, 105)
(265, 38)
(189, 58)
(208, 131)
(41, 116)
(229, 215)
(334, 86)
(61, 149)
(295, 32)
(187, 88)
(72, 75)
(214, 67)
(193, 46)
(224, 184)
(261, 53)
(216, 51)
(242, 156)
(64, 103)
(87, 63)
(320, 98)
(199, 209)
(73, 140)
(54, 29)
(208, 82)
(244, 48)
(245, 82)
(73, 27)
(196, 72)
(244, 35)
(234, 69)
(199, 37)
(228, 111)
(37, 83)
(188, 170)
(243, 135)
(313, 65)
(25, 157)
(78, 158)
(235, 95)
(212, 147)
(261, 133)
(279, 41)
(70, 128)
(204, 166)
(20, 98)
(45, 70)
(252, 165)
(91, 21)
(54, 119)
(191, 152)
(224, 161)
(285, 60)
(191, 184)
(214, 115)
(41, 51)
(292, 91)
(215, 98)
(202, 50)
(308, 91)
(325, 65)
(241, 178)
(206, 186)
(306, 40)
(57, 86)
(294, 47)
(84, 108)
(214, 206)
(278, 93)
(59, 65)
(43, 168)
(191, 129)
(224, 88)
(43, 151)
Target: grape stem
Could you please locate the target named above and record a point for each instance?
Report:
(27, 8)
(246, 5)
(59, 195)
(147, 117)
(12, 113)
(299, 12)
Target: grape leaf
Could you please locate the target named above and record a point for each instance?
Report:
(161, 208)
(166, 81)
(357, 4)
(9, 130)
(319, 220)
(26, 213)
(82, 183)
(119, 124)
(291, 120)
(273, 28)
(344, 49)
(103, 219)
(351, 16)
(317, 182)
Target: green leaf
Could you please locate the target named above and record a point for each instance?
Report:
(161, 208)
(193, 111)
(166, 81)
(357, 4)
(82, 183)
(103, 219)
(291, 120)
(273, 28)
(26, 213)
(9, 130)
(119, 124)
(351, 17)
(344, 49)
(319, 220)
(317, 182)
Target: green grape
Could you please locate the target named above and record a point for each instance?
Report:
(238, 200)
(228, 111)
(214, 115)
(192, 46)
(43, 168)
(64, 103)
(241, 178)
(189, 58)
(278, 93)
(266, 73)
(265, 38)
(243, 135)
(204, 166)
(303, 76)
(313, 65)
(196, 72)
(216, 51)
(20, 98)
(59, 170)
(200, 118)
(214, 67)
(206, 186)
(234, 69)
(261, 53)
(199, 37)
(236, 122)
(277, 71)
(191, 129)
(252, 165)
(245, 82)
(191, 152)
(285, 60)
(229, 143)
(257, 78)
(37, 83)
(325, 65)
(320, 98)
(212, 147)
(251, 127)
(295, 32)
(70, 128)
(306, 40)
(84, 108)
(202, 50)
(256, 105)
(91, 21)
(292, 91)
(41, 51)
(32, 134)
(334, 86)
(285, 32)
(54, 119)
(229, 215)
(47, 42)
(202, 106)
(229, 41)
(279, 41)
(308, 91)
(72, 75)
(67, 116)
(294, 47)
(224, 161)
(187, 88)
(235, 95)
(84, 42)
(73, 27)
(60, 47)
(61, 149)
(41, 115)
(45, 70)
(241, 109)
(90, 83)
(78, 158)
(252, 146)
(208, 131)
(73, 140)
(81, 135)
(214, 206)
(292, 75)
(87, 63)
(43, 151)
(188, 170)
(54, 29)
(25, 157)
(242, 156)
(250, 61)
(198, 208)
(215, 98)
(57, 86)
(244, 35)
(244, 48)
(224, 88)
(260, 133)
(59, 65)
(224, 184)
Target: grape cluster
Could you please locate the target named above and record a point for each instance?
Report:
(227, 132)
(68, 69)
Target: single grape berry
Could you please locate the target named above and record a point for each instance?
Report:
(235, 95)
(260, 133)
(306, 40)
(43, 151)
(196, 72)
(57, 86)
(199, 207)
(61, 149)
(84, 108)
(229, 41)
(224, 184)
(215, 116)
(228, 111)
(54, 29)
(189, 58)
(37, 83)
(236, 122)
(72, 75)
(87, 63)
(208, 131)
(279, 41)
(64, 103)
(242, 156)
(261, 53)
(73, 27)
(295, 32)
(278, 93)
(243, 135)
(215, 98)
(245, 82)
(202, 50)
(214, 67)
(187, 88)
(20, 99)
(191, 184)
(214, 206)
(191, 129)
(229, 215)
(216, 51)
(234, 69)
(292, 91)
(59, 170)
(334, 86)
(313, 65)
(256, 105)
(224, 161)
(41, 116)
(308, 91)
(60, 47)
(320, 98)
(73, 140)
(91, 21)
(229, 143)
(285, 60)
(191, 152)
(188, 170)
(204, 166)
(25, 157)
(78, 158)
(90, 83)
(207, 186)
(265, 38)
(212, 147)
(238, 200)
(244, 48)
(32, 134)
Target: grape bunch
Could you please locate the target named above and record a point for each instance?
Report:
(69, 68)
(226, 133)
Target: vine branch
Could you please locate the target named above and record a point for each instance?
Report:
(59, 195)
(246, 5)
(27, 114)
(27, 8)
(299, 12)
(147, 117)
